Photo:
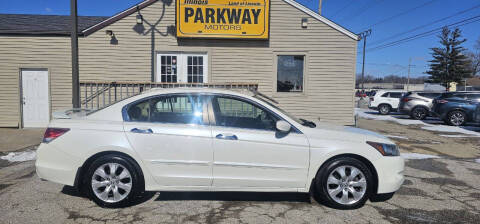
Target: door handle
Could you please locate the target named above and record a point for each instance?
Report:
(142, 131)
(227, 136)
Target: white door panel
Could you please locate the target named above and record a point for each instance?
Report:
(176, 154)
(35, 99)
(259, 159)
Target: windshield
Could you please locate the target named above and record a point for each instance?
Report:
(301, 121)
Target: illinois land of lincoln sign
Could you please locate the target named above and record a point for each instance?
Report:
(223, 18)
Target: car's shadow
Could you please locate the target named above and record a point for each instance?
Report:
(234, 196)
(208, 196)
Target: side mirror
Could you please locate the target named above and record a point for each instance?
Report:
(283, 126)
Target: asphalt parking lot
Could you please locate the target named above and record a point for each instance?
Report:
(442, 186)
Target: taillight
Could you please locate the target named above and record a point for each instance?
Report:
(406, 99)
(371, 98)
(442, 101)
(53, 133)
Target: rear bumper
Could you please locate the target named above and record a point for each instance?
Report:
(390, 172)
(54, 165)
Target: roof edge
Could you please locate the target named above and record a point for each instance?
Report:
(117, 17)
(146, 3)
(323, 19)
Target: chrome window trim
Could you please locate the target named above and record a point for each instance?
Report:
(207, 98)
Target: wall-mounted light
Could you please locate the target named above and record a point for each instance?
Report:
(113, 39)
(109, 33)
(139, 18)
(304, 22)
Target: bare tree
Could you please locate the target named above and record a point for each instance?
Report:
(474, 56)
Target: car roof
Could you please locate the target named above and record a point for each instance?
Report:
(391, 90)
(155, 91)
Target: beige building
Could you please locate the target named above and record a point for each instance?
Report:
(307, 63)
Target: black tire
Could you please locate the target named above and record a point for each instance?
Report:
(132, 168)
(419, 113)
(384, 109)
(456, 118)
(321, 187)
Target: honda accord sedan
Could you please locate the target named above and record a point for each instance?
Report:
(198, 139)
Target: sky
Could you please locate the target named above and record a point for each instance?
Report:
(390, 20)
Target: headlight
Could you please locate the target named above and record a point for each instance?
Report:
(385, 149)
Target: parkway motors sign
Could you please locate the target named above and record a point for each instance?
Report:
(223, 18)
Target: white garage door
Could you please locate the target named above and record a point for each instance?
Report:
(35, 103)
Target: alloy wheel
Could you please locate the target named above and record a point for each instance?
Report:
(457, 118)
(111, 182)
(419, 113)
(346, 185)
(384, 109)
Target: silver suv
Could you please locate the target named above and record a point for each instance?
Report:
(417, 104)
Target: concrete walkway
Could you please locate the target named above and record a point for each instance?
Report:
(14, 139)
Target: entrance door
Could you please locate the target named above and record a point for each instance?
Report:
(182, 67)
(35, 104)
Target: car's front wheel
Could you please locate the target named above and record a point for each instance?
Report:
(112, 181)
(344, 183)
(456, 118)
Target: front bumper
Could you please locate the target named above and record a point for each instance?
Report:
(54, 165)
(390, 170)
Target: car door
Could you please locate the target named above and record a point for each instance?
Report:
(249, 152)
(394, 99)
(172, 136)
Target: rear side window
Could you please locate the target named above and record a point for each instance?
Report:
(475, 97)
(395, 95)
(385, 95)
(430, 95)
(140, 111)
(179, 109)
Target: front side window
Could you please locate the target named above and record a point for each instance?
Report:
(180, 109)
(290, 71)
(237, 113)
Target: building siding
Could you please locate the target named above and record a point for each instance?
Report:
(331, 59)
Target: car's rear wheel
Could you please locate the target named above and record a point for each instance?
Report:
(384, 109)
(112, 181)
(456, 118)
(344, 183)
(419, 113)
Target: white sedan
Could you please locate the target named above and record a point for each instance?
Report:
(196, 139)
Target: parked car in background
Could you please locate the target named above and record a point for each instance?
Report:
(477, 114)
(166, 139)
(417, 104)
(386, 101)
(456, 108)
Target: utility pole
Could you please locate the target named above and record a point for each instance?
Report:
(408, 77)
(74, 45)
(363, 35)
(319, 7)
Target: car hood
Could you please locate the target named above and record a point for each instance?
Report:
(344, 133)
